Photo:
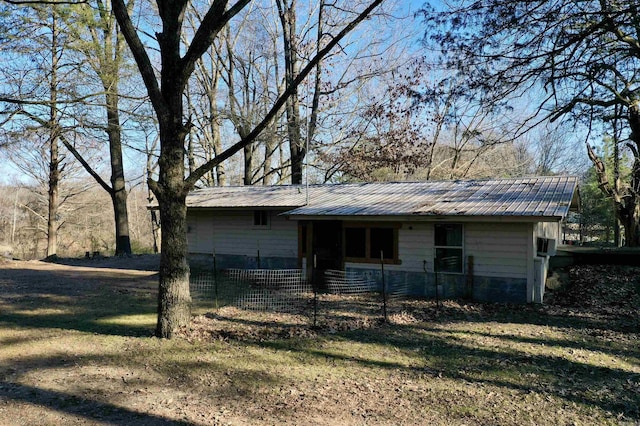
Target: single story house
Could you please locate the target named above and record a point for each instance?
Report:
(486, 239)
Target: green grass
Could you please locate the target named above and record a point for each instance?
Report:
(87, 356)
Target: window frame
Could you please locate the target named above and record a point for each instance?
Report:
(367, 248)
(261, 214)
(448, 247)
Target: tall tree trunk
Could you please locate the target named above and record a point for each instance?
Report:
(616, 172)
(109, 73)
(54, 181)
(174, 299)
(215, 146)
(118, 190)
(54, 160)
(221, 177)
(297, 149)
(248, 162)
(270, 145)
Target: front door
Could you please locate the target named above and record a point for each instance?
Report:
(327, 248)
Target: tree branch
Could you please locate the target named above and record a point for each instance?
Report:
(73, 151)
(209, 165)
(140, 55)
(51, 2)
(214, 20)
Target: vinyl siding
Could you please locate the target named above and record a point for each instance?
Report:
(233, 233)
(415, 245)
(498, 249)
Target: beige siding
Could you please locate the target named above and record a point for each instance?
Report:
(232, 232)
(498, 249)
(415, 245)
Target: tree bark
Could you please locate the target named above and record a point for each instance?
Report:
(174, 300)
(54, 160)
(54, 181)
(118, 190)
(297, 149)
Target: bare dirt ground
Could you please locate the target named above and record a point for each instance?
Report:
(76, 348)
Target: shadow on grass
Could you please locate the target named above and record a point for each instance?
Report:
(87, 301)
(606, 347)
(81, 407)
(435, 352)
(452, 348)
(175, 384)
(73, 322)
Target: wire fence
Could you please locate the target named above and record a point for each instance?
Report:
(343, 296)
(254, 289)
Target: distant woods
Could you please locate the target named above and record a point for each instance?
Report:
(85, 221)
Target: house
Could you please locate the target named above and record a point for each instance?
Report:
(487, 239)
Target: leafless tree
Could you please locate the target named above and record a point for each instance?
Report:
(166, 91)
(578, 60)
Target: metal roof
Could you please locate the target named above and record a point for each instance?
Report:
(542, 197)
(248, 196)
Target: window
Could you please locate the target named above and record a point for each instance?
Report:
(448, 247)
(260, 219)
(363, 243)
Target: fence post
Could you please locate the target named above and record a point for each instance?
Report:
(384, 289)
(435, 273)
(469, 289)
(315, 294)
(215, 279)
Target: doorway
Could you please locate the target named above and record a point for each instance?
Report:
(326, 247)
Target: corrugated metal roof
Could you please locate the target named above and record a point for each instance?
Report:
(531, 197)
(248, 196)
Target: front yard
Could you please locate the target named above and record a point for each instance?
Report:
(75, 348)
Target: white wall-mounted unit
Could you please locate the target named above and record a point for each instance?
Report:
(546, 246)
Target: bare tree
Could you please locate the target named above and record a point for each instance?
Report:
(90, 31)
(39, 35)
(96, 37)
(579, 58)
(166, 93)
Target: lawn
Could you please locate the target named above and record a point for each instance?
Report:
(76, 348)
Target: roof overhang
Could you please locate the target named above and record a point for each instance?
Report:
(425, 218)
